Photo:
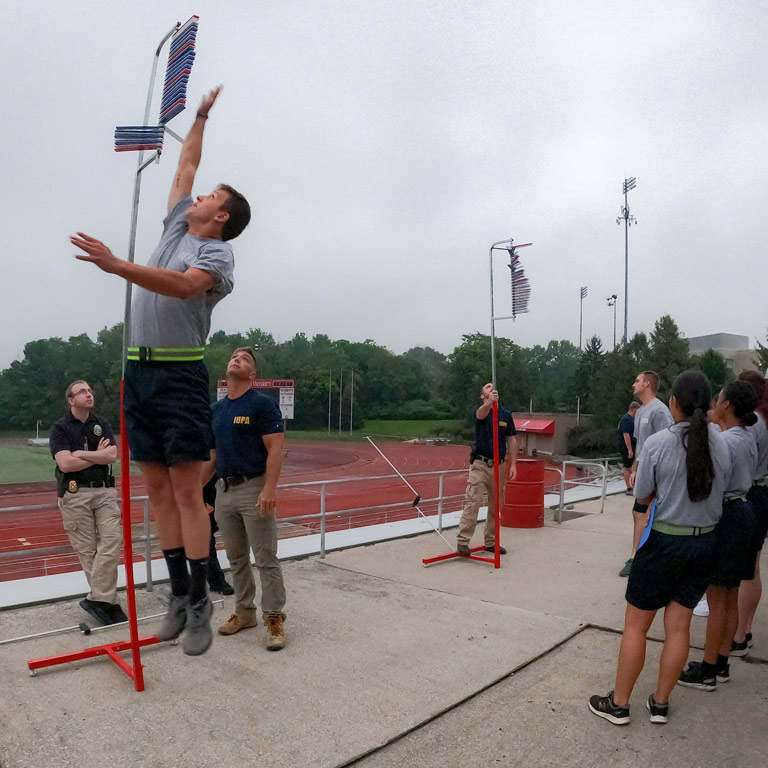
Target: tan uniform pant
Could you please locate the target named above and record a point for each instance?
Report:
(242, 529)
(91, 519)
(479, 483)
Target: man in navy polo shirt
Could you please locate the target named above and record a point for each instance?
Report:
(480, 480)
(248, 455)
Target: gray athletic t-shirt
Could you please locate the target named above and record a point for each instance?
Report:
(743, 452)
(165, 321)
(759, 432)
(662, 468)
(650, 419)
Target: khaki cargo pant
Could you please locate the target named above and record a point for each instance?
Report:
(479, 483)
(91, 519)
(242, 529)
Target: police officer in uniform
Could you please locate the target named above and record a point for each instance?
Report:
(480, 480)
(83, 446)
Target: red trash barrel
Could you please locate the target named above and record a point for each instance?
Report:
(524, 501)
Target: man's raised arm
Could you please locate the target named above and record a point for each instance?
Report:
(191, 152)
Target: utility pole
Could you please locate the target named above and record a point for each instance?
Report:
(612, 303)
(581, 308)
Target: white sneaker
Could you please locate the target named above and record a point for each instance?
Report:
(702, 609)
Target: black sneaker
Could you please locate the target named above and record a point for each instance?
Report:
(659, 712)
(749, 639)
(117, 614)
(723, 674)
(695, 677)
(174, 619)
(502, 551)
(740, 649)
(199, 635)
(98, 609)
(603, 706)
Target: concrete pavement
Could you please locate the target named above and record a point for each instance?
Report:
(389, 663)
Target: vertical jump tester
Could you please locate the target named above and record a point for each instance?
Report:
(521, 292)
(139, 138)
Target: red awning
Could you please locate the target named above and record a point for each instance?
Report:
(539, 426)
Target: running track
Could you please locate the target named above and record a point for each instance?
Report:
(34, 543)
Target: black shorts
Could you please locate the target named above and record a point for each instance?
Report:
(668, 568)
(625, 460)
(735, 544)
(167, 412)
(758, 495)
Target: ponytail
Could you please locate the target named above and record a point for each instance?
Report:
(693, 395)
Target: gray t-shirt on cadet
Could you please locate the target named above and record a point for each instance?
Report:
(743, 453)
(165, 321)
(662, 468)
(759, 433)
(650, 419)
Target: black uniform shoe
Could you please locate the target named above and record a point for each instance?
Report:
(117, 614)
(98, 609)
(502, 551)
(463, 550)
(603, 706)
(222, 587)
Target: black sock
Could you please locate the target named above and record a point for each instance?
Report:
(177, 570)
(198, 570)
(707, 668)
(722, 661)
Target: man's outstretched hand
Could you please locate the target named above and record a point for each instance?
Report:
(96, 252)
(208, 101)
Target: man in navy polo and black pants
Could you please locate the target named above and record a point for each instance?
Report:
(167, 408)
(480, 480)
(248, 454)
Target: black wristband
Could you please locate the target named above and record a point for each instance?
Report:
(641, 508)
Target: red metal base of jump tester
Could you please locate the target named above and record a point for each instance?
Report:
(440, 558)
(110, 649)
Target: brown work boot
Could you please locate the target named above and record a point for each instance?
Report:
(275, 632)
(234, 624)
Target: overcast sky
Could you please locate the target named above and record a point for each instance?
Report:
(385, 145)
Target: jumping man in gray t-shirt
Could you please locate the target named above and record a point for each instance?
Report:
(167, 409)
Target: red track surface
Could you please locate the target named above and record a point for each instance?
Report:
(34, 543)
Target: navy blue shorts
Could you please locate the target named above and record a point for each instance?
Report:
(735, 544)
(668, 568)
(168, 412)
(758, 495)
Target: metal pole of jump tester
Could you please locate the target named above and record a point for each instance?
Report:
(351, 399)
(341, 389)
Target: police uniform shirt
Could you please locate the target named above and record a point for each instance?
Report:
(484, 433)
(238, 428)
(71, 434)
(626, 426)
(662, 468)
(649, 420)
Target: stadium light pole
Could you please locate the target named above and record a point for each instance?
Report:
(583, 292)
(629, 220)
(612, 303)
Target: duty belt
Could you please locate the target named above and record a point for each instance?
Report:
(165, 354)
(680, 530)
(487, 460)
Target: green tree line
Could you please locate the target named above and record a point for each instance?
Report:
(422, 383)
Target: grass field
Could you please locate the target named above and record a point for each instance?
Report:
(23, 463)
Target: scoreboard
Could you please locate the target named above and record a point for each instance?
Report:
(280, 390)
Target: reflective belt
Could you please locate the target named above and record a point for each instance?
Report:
(680, 530)
(165, 354)
(735, 495)
(763, 481)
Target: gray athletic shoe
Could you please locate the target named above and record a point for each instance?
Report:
(175, 619)
(199, 635)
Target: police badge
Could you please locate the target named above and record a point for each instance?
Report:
(97, 430)
(72, 487)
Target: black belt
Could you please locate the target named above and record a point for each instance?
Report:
(92, 484)
(226, 482)
(488, 461)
